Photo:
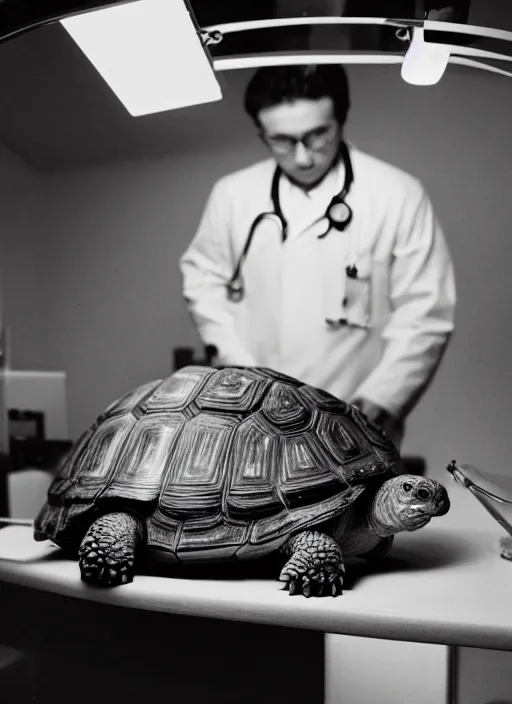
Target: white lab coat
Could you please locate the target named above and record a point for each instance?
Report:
(399, 310)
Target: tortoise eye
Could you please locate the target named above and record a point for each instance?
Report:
(424, 494)
(408, 487)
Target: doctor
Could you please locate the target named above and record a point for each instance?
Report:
(322, 262)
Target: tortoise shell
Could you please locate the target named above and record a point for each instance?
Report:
(221, 463)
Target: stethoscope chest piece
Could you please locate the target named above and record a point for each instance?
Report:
(340, 213)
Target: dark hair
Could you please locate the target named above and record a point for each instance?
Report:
(274, 85)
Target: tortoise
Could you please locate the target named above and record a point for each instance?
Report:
(234, 463)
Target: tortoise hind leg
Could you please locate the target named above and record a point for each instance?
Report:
(107, 552)
(315, 566)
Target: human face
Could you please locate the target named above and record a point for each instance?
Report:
(303, 137)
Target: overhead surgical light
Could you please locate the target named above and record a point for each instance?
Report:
(149, 52)
(424, 63)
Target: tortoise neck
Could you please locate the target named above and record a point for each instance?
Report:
(381, 514)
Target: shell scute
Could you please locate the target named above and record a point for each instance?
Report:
(279, 376)
(254, 457)
(129, 401)
(69, 522)
(232, 391)
(163, 533)
(308, 472)
(211, 537)
(94, 465)
(194, 483)
(284, 407)
(177, 391)
(68, 468)
(318, 398)
(144, 458)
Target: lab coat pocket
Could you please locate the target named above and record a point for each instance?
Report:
(357, 302)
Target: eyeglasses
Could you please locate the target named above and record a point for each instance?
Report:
(314, 140)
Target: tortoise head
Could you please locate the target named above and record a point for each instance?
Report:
(408, 502)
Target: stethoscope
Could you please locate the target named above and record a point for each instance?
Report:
(338, 215)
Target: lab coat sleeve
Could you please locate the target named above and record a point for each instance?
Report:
(422, 301)
(206, 267)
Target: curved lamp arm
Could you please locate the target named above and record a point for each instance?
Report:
(427, 25)
(305, 57)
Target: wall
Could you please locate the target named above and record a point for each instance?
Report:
(22, 265)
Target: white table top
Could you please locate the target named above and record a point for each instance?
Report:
(444, 584)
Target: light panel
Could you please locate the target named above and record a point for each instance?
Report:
(149, 53)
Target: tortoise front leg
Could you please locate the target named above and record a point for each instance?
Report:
(107, 552)
(315, 566)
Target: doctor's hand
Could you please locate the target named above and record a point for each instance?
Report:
(391, 425)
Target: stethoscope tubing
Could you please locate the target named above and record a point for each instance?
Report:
(235, 288)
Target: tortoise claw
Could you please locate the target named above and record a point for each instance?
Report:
(337, 587)
(322, 583)
(315, 568)
(318, 588)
